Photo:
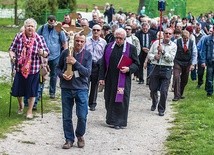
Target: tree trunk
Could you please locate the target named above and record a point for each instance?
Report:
(141, 4)
(15, 12)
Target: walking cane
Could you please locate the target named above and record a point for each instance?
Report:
(12, 75)
(41, 84)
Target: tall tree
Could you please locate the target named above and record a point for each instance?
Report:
(16, 12)
(53, 5)
(141, 4)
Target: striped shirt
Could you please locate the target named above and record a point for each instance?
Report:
(17, 48)
(96, 48)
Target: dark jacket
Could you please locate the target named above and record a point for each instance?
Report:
(83, 65)
(181, 57)
(206, 56)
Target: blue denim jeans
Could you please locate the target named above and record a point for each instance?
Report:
(53, 75)
(81, 99)
(209, 78)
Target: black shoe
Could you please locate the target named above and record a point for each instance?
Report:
(52, 96)
(198, 86)
(161, 114)
(34, 108)
(140, 82)
(209, 94)
(117, 127)
(182, 97)
(175, 99)
(153, 108)
(92, 108)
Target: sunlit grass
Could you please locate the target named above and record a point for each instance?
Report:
(8, 123)
(193, 132)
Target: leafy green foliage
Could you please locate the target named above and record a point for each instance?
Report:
(36, 9)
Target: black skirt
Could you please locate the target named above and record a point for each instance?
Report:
(27, 87)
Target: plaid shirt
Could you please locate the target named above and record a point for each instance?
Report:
(17, 47)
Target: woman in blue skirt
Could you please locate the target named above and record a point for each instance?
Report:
(25, 53)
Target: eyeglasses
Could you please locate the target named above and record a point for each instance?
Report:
(81, 41)
(120, 38)
(96, 30)
(128, 29)
(168, 33)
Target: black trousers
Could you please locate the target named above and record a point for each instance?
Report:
(93, 85)
(159, 81)
(142, 58)
(200, 74)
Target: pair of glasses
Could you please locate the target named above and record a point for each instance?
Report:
(96, 30)
(128, 29)
(120, 38)
(81, 41)
(168, 33)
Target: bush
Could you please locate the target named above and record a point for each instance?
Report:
(36, 9)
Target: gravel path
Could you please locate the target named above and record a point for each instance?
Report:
(144, 135)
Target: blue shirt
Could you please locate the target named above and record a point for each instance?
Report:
(96, 48)
(53, 40)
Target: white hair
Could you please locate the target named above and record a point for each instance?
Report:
(30, 20)
(154, 22)
(120, 31)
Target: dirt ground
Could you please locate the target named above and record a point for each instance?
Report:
(145, 134)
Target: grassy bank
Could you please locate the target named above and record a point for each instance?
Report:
(9, 123)
(193, 132)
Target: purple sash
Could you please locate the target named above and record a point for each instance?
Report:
(122, 76)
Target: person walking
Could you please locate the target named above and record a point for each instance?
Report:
(185, 59)
(74, 89)
(96, 46)
(25, 52)
(161, 57)
(117, 81)
(207, 60)
(54, 41)
(145, 37)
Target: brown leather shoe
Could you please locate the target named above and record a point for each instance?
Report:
(80, 142)
(67, 145)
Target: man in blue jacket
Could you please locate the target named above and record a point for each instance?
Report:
(207, 60)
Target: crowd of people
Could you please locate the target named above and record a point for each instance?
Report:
(166, 52)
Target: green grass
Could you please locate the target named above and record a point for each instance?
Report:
(196, 7)
(8, 123)
(193, 132)
(7, 35)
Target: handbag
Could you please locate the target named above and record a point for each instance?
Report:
(44, 69)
